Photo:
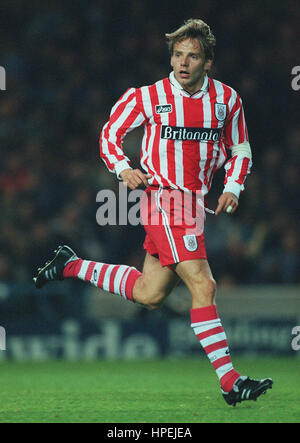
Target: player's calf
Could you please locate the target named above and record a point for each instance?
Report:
(209, 331)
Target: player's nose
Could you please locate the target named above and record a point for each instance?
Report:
(184, 62)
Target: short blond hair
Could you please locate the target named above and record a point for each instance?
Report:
(194, 28)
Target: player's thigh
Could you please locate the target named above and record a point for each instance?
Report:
(155, 284)
(198, 277)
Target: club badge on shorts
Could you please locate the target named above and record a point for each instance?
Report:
(220, 111)
(190, 242)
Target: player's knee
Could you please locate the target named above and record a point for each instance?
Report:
(153, 306)
(204, 288)
(144, 294)
(152, 301)
(211, 286)
(204, 281)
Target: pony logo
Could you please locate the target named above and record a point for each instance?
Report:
(160, 109)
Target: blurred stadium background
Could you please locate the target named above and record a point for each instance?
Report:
(66, 63)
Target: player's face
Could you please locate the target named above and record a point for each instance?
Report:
(189, 64)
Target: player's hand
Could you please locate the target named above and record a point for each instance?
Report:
(227, 202)
(134, 178)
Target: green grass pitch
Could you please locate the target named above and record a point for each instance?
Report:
(151, 391)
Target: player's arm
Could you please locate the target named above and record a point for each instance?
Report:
(125, 116)
(239, 165)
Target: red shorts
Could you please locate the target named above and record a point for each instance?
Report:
(174, 223)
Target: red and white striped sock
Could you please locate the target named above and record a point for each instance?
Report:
(116, 279)
(209, 331)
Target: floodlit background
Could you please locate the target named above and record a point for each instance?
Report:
(66, 63)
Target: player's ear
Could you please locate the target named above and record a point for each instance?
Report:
(208, 64)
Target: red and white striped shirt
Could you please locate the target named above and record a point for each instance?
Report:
(185, 137)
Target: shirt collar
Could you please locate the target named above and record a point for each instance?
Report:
(197, 94)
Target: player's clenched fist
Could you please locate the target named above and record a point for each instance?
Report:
(228, 202)
(133, 178)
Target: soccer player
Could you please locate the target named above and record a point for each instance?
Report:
(189, 121)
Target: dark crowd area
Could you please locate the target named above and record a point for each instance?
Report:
(67, 62)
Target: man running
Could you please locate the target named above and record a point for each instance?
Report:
(189, 121)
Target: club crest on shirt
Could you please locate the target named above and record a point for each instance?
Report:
(160, 109)
(220, 111)
(190, 242)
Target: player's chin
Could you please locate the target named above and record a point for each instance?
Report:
(183, 78)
